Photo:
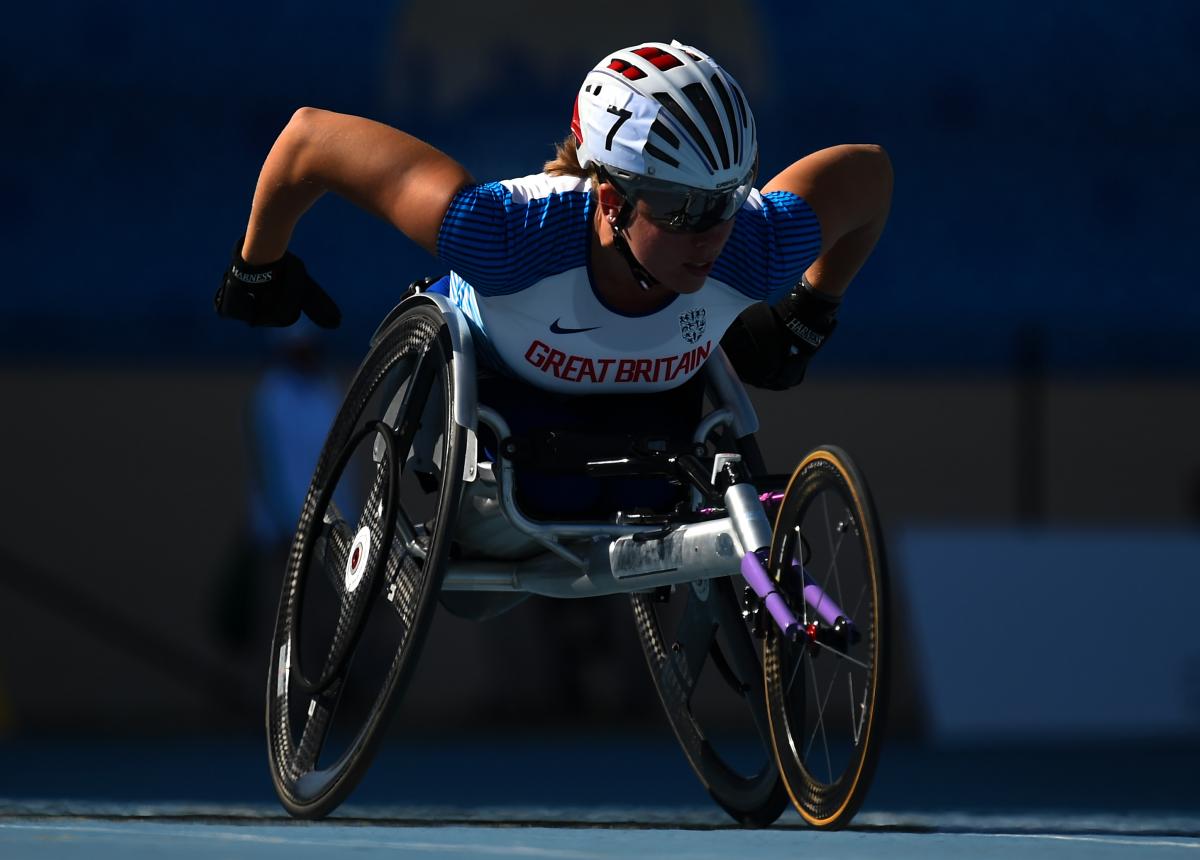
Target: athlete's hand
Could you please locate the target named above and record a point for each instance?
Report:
(273, 294)
(809, 316)
(770, 347)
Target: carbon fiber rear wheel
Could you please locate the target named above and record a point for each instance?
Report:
(365, 566)
(706, 667)
(827, 690)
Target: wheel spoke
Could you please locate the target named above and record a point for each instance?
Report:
(417, 392)
(820, 728)
(832, 570)
(834, 573)
(843, 655)
(787, 690)
(834, 550)
(858, 711)
(405, 580)
(314, 735)
(693, 639)
(862, 592)
(796, 556)
(333, 547)
(742, 655)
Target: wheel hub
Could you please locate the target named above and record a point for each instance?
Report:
(356, 564)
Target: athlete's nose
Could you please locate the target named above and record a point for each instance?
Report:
(714, 234)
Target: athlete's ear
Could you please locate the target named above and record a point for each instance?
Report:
(610, 199)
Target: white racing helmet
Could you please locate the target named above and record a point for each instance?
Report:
(670, 127)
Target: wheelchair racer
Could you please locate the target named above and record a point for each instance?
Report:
(614, 271)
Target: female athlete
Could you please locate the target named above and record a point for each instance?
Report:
(614, 271)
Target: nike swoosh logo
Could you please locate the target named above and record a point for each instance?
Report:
(557, 329)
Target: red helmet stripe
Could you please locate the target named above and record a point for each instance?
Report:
(661, 59)
(630, 71)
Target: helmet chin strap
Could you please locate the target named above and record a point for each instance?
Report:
(640, 273)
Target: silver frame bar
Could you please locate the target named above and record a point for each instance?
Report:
(603, 557)
(691, 552)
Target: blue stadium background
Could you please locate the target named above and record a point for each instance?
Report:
(1045, 155)
(1015, 369)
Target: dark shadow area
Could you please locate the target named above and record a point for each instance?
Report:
(1116, 787)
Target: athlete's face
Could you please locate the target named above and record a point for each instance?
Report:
(681, 261)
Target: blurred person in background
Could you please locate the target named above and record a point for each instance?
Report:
(286, 420)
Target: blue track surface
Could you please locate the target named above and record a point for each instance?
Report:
(577, 798)
(101, 839)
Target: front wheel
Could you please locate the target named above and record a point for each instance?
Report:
(827, 690)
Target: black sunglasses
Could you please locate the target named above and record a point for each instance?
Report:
(680, 208)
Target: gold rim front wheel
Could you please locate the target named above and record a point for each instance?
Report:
(826, 690)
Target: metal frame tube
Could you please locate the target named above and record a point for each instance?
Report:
(730, 392)
(690, 552)
(749, 518)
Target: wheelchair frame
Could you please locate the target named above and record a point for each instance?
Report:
(630, 560)
(643, 556)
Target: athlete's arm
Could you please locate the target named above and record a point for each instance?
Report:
(386, 172)
(850, 189)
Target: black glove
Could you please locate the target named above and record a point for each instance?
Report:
(273, 294)
(770, 347)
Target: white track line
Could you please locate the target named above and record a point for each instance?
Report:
(1103, 840)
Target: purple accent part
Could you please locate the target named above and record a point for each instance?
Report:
(821, 602)
(756, 576)
(765, 498)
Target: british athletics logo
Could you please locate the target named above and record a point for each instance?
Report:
(583, 368)
(691, 324)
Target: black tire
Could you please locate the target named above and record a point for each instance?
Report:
(703, 660)
(357, 597)
(827, 754)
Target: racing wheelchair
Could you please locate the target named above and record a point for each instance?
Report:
(407, 504)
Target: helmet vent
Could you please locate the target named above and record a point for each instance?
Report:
(629, 70)
(660, 58)
(676, 110)
(741, 103)
(660, 128)
(708, 112)
(719, 86)
(651, 149)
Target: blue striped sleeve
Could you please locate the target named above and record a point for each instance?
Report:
(770, 248)
(501, 245)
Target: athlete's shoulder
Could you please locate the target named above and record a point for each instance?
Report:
(505, 236)
(773, 203)
(539, 186)
(776, 236)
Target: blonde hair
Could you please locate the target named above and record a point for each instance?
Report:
(566, 161)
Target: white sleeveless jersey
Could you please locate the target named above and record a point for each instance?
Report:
(518, 254)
